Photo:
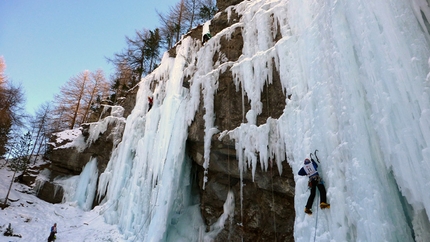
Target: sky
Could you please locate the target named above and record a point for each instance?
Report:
(46, 42)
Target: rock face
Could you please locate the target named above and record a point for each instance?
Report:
(50, 192)
(70, 161)
(264, 208)
(223, 4)
(267, 212)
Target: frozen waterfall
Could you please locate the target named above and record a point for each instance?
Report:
(357, 75)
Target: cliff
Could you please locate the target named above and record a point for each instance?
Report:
(216, 157)
(267, 210)
(268, 199)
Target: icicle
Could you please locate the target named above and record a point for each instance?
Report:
(228, 213)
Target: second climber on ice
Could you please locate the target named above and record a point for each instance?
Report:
(310, 169)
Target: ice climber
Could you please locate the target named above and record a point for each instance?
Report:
(52, 236)
(206, 37)
(150, 102)
(310, 169)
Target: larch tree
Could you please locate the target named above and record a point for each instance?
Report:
(121, 81)
(2, 75)
(180, 13)
(19, 152)
(173, 24)
(73, 105)
(192, 10)
(40, 129)
(59, 115)
(72, 94)
(12, 112)
(98, 88)
(167, 31)
(5, 122)
(184, 16)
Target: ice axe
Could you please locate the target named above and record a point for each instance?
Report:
(315, 154)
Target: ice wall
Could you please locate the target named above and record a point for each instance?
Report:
(81, 190)
(147, 184)
(86, 187)
(357, 75)
(356, 72)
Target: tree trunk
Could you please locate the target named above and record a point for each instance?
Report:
(7, 195)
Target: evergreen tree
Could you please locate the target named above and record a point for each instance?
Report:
(152, 51)
(207, 11)
(139, 58)
(132, 58)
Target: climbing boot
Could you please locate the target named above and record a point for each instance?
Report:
(324, 205)
(308, 211)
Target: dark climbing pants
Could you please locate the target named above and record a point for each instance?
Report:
(314, 183)
(51, 237)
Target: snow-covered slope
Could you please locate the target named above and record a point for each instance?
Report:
(32, 218)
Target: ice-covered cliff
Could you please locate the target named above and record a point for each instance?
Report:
(355, 85)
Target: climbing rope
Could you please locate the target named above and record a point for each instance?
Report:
(316, 222)
(271, 166)
(228, 150)
(136, 236)
(273, 201)
(316, 219)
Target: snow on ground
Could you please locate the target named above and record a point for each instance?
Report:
(32, 218)
(68, 135)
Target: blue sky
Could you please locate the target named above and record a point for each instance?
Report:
(46, 42)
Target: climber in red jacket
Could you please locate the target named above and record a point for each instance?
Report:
(150, 100)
